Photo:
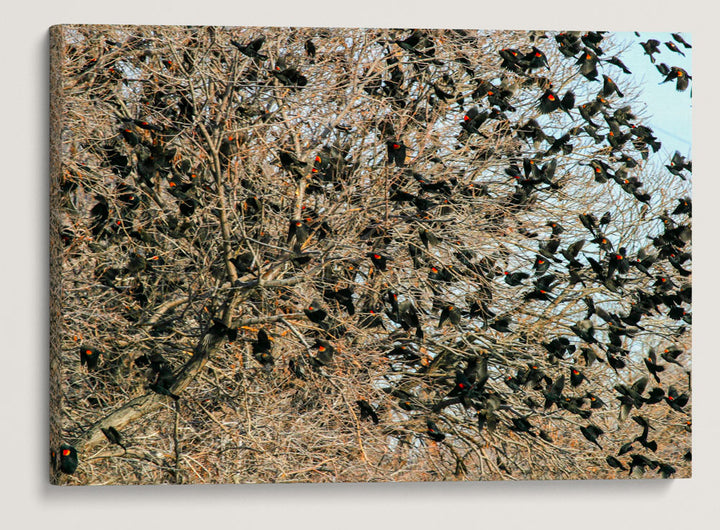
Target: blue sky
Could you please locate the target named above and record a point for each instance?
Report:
(669, 111)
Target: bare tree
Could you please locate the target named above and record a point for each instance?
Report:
(297, 254)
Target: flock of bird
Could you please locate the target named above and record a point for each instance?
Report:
(476, 381)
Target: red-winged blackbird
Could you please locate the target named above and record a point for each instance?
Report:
(541, 265)
(315, 312)
(299, 231)
(610, 88)
(652, 366)
(550, 101)
(502, 324)
(288, 77)
(89, 357)
(576, 377)
(569, 43)
(323, 352)
(675, 400)
(379, 260)
(515, 278)
(522, 425)
(433, 431)
(535, 58)
(443, 274)
(588, 64)
(671, 354)
(396, 152)
(680, 75)
(451, 313)
(673, 48)
(290, 163)
(68, 459)
(366, 411)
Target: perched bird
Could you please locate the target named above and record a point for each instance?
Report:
(68, 459)
(366, 411)
(315, 312)
(89, 357)
(261, 349)
(433, 431)
(113, 436)
(451, 313)
(397, 152)
(379, 260)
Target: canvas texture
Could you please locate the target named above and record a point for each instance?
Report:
(368, 255)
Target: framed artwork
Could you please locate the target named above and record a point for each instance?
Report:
(369, 255)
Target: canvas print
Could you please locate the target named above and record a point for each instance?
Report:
(354, 255)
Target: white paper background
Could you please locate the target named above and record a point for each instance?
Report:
(26, 501)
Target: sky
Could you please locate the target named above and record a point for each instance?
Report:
(669, 110)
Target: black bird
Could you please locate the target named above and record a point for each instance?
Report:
(681, 40)
(588, 64)
(550, 101)
(673, 48)
(451, 313)
(251, 49)
(576, 377)
(617, 62)
(261, 349)
(502, 324)
(642, 438)
(671, 354)
(680, 75)
(651, 48)
(641, 462)
(610, 88)
(589, 221)
(315, 312)
(366, 411)
(433, 431)
(379, 260)
(652, 366)
(397, 152)
(89, 357)
(522, 425)
(614, 462)
(68, 459)
(591, 432)
(515, 278)
(585, 330)
(310, 48)
(299, 231)
(113, 436)
(675, 400)
(289, 77)
(323, 352)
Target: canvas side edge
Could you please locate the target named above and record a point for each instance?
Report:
(56, 50)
